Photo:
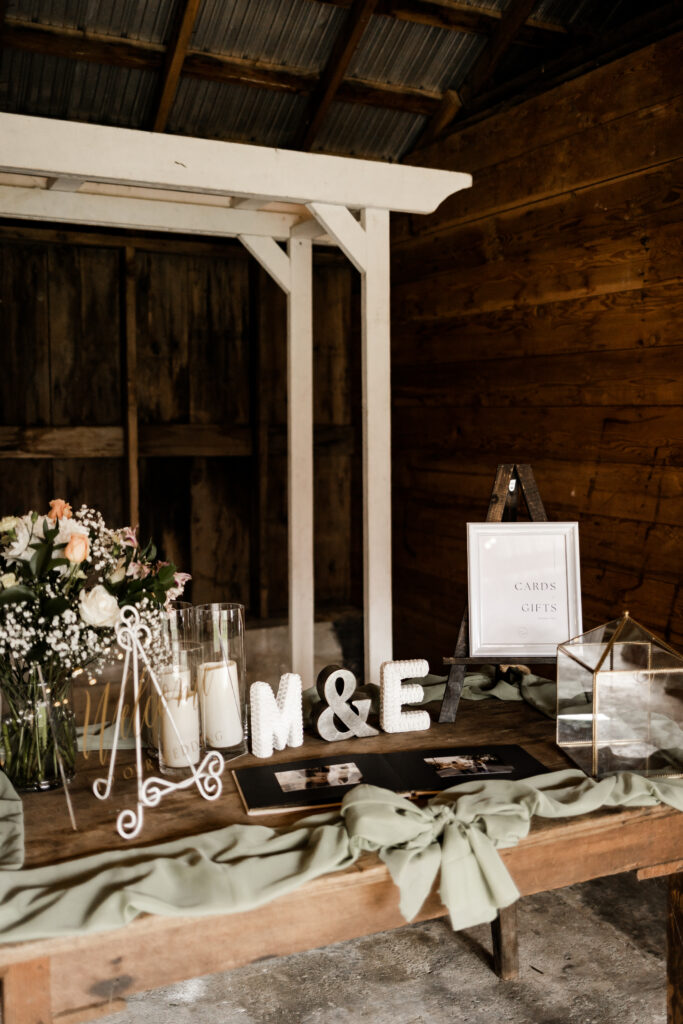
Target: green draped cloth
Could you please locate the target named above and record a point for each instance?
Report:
(454, 839)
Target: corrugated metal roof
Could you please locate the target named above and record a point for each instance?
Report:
(368, 132)
(146, 20)
(419, 56)
(236, 112)
(486, 5)
(296, 33)
(568, 12)
(75, 90)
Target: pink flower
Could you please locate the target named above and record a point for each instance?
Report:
(129, 536)
(138, 570)
(180, 579)
(59, 509)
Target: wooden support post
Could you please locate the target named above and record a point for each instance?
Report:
(300, 457)
(132, 446)
(674, 962)
(376, 371)
(26, 993)
(506, 944)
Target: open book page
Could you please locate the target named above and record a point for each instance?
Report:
(324, 781)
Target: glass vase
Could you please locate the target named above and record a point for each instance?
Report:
(30, 745)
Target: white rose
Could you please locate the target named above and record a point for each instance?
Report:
(8, 523)
(8, 579)
(98, 607)
(119, 572)
(26, 532)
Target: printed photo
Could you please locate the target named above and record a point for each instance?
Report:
(319, 777)
(456, 765)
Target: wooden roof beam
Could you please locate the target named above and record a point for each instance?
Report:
(344, 47)
(175, 56)
(454, 101)
(461, 17)
(77, 45)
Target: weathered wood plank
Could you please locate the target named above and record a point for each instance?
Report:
(27, 993)
(605, 210)
(647, 75)
(645, 259)
(220, 503)
(25, 381)
(218, 331)
(650, 377)
(163, 345)
(85, 336)
(646, 137)
(620, 434)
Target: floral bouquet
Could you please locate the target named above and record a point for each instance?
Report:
(63, 579)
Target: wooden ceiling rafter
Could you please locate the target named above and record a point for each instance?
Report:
(456, 100)
(78, 45)
(175, 58)
(460, 17)
(333, 73)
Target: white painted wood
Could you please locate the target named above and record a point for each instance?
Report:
(300, 468)
(34, 145)
(376, 405)
(140, 214)
(272, 258)
(249, 204)
(345, 229)
(64, 184)
(310, 229)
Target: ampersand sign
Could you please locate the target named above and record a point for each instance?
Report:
(342, 717)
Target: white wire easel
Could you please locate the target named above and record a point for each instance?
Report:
(132, 635)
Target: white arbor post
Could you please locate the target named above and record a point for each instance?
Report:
(376, 399)
(300, 458)
(367, 246)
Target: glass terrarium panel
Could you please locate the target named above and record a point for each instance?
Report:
(639, 719)
(574, 701)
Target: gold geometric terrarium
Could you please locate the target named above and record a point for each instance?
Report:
(620, 701)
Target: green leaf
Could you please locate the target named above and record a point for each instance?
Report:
(55, 606)
(17, 593)
(166, 574)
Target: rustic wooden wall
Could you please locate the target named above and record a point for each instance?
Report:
(206, 329)
(538, 318)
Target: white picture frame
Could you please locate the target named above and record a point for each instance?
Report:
(524, 588)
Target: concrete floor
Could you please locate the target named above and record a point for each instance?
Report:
(590, 954)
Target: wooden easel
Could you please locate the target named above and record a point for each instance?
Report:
(511, 479)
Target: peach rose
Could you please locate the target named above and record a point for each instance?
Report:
(59, 509)
(77, 548)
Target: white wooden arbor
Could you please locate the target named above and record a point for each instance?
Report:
(114, 177)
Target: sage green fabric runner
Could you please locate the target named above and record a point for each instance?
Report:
(454, 838)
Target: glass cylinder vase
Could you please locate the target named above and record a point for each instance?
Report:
(179, 733)
(37, 728)
(219, 629)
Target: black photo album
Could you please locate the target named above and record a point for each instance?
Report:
(324, 781)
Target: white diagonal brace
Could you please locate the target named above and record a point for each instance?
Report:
(345, 229)
(272, 258)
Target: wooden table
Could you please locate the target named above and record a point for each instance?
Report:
(69, 980)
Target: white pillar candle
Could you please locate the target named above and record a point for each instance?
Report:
(180, 746)
(175, 681)
(219, 695)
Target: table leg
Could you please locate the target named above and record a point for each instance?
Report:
(674, 935)
(26, 995)
(506, 944)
